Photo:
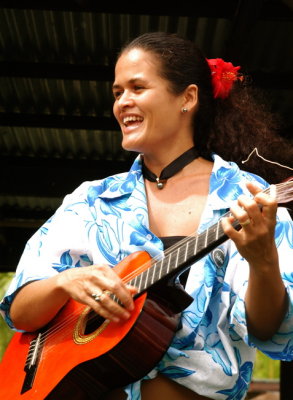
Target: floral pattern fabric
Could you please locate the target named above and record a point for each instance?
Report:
(104, 221)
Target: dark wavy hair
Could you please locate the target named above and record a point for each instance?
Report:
(230, 127)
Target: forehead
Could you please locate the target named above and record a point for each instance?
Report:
(135, 63)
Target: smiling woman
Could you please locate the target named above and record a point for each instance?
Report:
(137, 268)
(145, 105)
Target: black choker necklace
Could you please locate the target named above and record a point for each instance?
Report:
(171, 169)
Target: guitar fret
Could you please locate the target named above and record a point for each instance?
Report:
(217, 231)
(176, 262)
(212, 233)
(173, 264)
(147, 276)
(180, 256)
(200, 242)
(168, 266)
(154, 269)
(189, 251)
(206, 238)
(134, 281)
(195, 247)
(186, 251)
(139, 285)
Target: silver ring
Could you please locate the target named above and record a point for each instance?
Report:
(247, 222)
(98, 296)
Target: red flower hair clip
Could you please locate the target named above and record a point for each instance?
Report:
(224, 74)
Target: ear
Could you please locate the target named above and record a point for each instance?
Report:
(190, 97)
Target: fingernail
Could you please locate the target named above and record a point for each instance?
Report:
(126, 315)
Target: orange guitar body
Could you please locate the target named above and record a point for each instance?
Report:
(74, 362)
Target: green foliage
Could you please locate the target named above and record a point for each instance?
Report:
(5, 332)
(266, 368)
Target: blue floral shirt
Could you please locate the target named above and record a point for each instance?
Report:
(106, 220)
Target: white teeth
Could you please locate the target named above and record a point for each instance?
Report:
(131, 118)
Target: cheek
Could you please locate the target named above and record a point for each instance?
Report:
(115, 110)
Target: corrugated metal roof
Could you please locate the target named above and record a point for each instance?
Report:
(67, 144)
(55, 96)
(85, 37)
(56, 72)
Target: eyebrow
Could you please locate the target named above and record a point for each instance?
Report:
(131, 81)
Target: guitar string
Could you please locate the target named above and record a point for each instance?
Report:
(282, 196)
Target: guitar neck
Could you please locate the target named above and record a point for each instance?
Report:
(189, 250)
(180, 256)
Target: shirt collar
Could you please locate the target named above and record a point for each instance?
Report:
(123, 184)
(226, 183)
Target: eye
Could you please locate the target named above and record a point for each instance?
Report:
(138, 88)
(117, 94)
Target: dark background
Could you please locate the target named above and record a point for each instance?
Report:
(56, 72)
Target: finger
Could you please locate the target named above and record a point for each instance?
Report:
(132, 289)
(266, 201)
(241, 215)
(102, 311)
(228, 228)
(124, 295)
(107, 279)
(106, 305)
(253, 188)
(268, 197)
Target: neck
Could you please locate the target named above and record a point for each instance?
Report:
(171, 169)
(157, 162)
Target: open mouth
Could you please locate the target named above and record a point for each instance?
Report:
(131, 120)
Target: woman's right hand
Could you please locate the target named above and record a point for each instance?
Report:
(39, 301)
(98, 281)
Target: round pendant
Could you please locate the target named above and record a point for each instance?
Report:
(160, 185)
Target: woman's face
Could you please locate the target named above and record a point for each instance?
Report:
(148, 113)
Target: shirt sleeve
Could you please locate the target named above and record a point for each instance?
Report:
(280, 346)
(61, 243)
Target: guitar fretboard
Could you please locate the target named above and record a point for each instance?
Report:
(180, 256)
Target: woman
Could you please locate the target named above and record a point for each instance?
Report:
(173, 111)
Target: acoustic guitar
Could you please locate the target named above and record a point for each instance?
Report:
(81, 356)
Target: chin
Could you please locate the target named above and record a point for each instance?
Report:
(132, 148)
(131, 145)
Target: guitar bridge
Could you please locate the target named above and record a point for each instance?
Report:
(31, 364)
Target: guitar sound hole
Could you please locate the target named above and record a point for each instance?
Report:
(94, 321)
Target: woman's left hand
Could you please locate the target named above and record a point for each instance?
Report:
(257, 216)
(255, 242)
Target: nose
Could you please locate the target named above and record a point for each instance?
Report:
(125, 100)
